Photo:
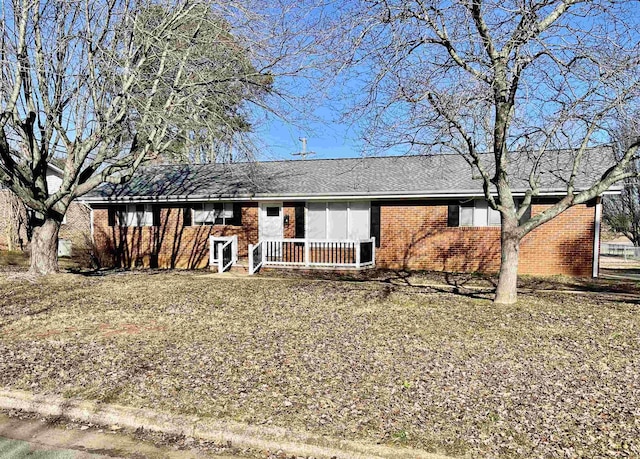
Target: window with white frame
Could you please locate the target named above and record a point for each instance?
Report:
(478, 213)
(136, 215)
(213, 213)
(338, 220)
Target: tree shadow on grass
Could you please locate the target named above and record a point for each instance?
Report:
(23, 315)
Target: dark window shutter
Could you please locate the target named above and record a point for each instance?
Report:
(117, 215)
(186, 216)
(156, 214)
(299, 216)
(375, 222)
(237, 214)
(453, 215)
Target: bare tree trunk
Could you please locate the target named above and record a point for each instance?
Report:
(507, 290)
(44, 247)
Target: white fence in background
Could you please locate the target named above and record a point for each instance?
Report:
(620, 250)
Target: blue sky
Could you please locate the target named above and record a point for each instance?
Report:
(327, 138)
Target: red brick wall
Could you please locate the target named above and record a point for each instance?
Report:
(171, 245)
(414, 235)
(289, 210)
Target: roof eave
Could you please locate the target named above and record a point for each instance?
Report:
(434, 194)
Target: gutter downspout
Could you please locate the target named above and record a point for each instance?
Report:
(596, 237)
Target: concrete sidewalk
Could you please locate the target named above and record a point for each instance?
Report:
(221, 432)
(36, 439)
(18, 449)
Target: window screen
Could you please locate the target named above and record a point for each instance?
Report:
(213, 213)
(466, 214)
(316, 214)
(359, 220)
(204, 213)
(494, 217)
(478, 213)
(137, 215)
(337, 221)
(481, 214)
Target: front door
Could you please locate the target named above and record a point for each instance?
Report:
(271, 221)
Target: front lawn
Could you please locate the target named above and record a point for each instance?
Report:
(557, 375)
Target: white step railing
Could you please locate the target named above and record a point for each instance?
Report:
(312, 253)
(223, 252)
(255, 258)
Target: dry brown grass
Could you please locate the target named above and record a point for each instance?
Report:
(556, 375)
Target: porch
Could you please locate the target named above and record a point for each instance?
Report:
(294, 253)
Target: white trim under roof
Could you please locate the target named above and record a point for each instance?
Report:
(55, 168)
(318, 197)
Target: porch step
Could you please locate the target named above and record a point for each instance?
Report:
(241, 266)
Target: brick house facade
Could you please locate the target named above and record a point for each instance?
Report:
(563, 245)
(425, 213)
(422, 242)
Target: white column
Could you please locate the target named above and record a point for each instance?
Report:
(596, 238)
(373, 251)
(306, 253)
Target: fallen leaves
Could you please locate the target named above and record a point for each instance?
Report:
(554, 375)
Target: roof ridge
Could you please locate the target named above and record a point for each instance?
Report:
(421, 155)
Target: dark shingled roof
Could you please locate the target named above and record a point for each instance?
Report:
(428, 175)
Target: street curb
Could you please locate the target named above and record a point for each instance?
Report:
(238, 434)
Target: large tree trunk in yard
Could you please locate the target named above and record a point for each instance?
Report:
(44, 247)
(507, 290)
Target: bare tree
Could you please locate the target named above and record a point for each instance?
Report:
(622, 213)
(511, 78)
(103, 84)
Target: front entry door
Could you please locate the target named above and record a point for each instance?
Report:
(271, 230)
(271, 221)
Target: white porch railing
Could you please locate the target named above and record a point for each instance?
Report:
(223, 252)
(312, 253)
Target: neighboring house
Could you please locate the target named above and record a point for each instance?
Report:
(75, 232)
(425, 212)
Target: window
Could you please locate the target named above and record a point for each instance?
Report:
(213, 213)
(273, 211)
(136, 215)
(478, 213)
(338, 220)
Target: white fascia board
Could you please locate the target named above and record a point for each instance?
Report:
(55, 168)
(319, 197)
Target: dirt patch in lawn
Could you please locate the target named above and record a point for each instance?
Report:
(554, 375)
